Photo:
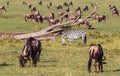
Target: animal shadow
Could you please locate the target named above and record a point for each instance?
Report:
(116, 70)
(49, 65)
(5, 64)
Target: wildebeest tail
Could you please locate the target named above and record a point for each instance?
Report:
(90, 60)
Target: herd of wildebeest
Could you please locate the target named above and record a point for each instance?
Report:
(32, 47)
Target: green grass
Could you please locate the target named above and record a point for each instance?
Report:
(58, 60)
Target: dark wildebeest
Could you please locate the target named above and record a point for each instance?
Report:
(30, 6)
(99, 17)
(53, 21)
(114, 10)
(78, 9)
(2, 8)
(28, 16)
(45, 17)
(96, 53)
(38, 17)
(59, 6)
(112, 6)
(31, 50)
(85, 8)
(74, 16)
(40, 2)
(85, 22)
(60, 14)
(49, 4)
(68, 4)
(24, 3)
(33, 9)
(68, 9)
(65, 15)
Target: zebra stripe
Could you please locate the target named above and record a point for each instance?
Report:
(74, 34)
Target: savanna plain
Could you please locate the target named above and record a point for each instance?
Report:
(56, 59)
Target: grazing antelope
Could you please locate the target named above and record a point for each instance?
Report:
(96, 53)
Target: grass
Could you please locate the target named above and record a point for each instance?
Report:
(58, 60)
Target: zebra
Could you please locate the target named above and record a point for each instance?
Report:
(74, 34)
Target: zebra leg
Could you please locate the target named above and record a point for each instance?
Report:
(63, 41)
(70, 41)
(84, 39)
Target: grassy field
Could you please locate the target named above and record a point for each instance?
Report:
(58, 60)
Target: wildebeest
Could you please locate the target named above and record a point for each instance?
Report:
(50, 16)
(2, 8)
(99, 17)
(59, 6)
(37, 17)
(74, 16)
(31, 51)
(49, 4)
(28, 16)
(67, 4)
(53, 21)
(85, 8)
(78, 9)
(68, 9)
(40, 2)
(114, 10)
(64, 15)
(96, 53)
(24, 3)
(112, 6)
(85, 22)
